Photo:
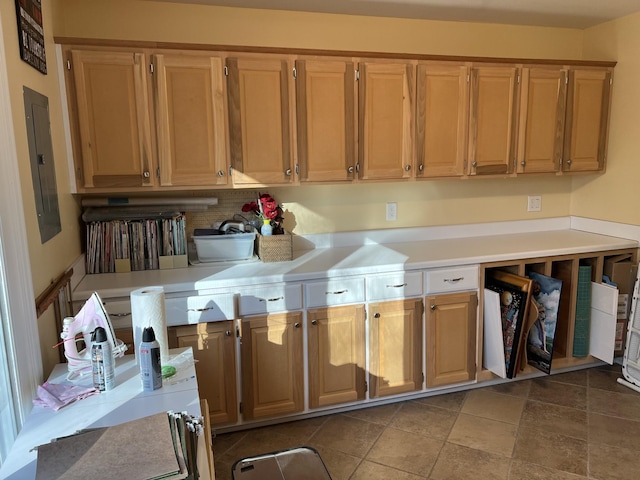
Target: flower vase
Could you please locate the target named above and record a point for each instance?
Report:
(266, 228)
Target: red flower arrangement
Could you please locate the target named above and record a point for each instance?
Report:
(266, 209)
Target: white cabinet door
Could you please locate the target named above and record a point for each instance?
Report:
(604, 312)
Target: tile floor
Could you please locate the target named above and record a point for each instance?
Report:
(571, 426)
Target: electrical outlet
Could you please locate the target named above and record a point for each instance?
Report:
(392, 211)
(534, 203)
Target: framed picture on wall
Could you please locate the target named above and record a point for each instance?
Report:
(31, 33)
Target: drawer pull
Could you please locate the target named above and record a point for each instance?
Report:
(120, 315)
(200, 309)
(271, 299)
(453, 280)
(400, 285)
(339, 292)
(376, 315)
(433, 307)
(314, 322)
(228, 333)
(297, 325)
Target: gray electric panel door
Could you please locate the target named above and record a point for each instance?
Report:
(43, 172)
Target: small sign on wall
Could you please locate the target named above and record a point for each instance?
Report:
(31, 33)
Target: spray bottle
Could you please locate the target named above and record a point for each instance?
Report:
(150, 366)
(102, 362)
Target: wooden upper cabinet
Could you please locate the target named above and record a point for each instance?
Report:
(114, 143)
(588, 103)
(326, 120)
(259, 120)
(492, 120)
(541, 127)
(442, 120)
(190, 119)
(386, 120)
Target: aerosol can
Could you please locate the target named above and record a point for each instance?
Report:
(102, 362)
(150, 366)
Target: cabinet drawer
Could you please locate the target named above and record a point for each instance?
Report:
(451, 279)
(270, 299)
(335, 292)
(201, 308)
(394, 285)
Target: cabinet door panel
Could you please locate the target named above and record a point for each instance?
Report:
(491, 123)
(396, 347)
(542, 113)
(442, 120)
(260, 136)
(325, 92)
(451, 338)
(336, 355)
(190, 120)
(386, 98)
(587, 120)
(272, 374)
(113, 118)
(214, 350)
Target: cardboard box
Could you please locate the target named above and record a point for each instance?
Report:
(622, 271)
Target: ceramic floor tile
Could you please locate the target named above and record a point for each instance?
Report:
(563, 420)
(346, 434)
(340, 465)
(299, 431)
(223, 442)
(373, 471)
(381, 415)
(563, 394)
(578, 377)
(484, 434)
(614, 431)
(450, 401)
(613, 462)
(496, 406)
(462, 463)
(608, 380)
(528, 471)
(516, 388)
(614, 404)
(405, 451)
(552, 450)
(424, 420)
(260, 441)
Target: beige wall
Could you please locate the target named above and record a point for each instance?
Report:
(54, 257)
(614, 196)
(349, 207)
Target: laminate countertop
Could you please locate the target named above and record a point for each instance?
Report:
(363, 259)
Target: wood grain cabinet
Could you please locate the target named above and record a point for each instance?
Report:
(326, 119)
(588, 104)
(272, 365)
(386, 120)
(542, 116)
(214, 349)
(492, 119)
(336, 351)
(259, 101)
(190, 119)
(395, 343)
(109, 102)
(442, 115)
(451, 338)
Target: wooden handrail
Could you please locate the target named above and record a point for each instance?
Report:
(46, 298)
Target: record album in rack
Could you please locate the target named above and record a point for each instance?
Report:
(513, 293)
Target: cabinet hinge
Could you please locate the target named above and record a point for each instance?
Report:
(68, 64)
(240, 407)
(518, 79)
(357, 74)
(226, 71)
(158, 172)
(297, 169)
(230, 171)
(151, 69)
(422, 377)
(468, 78)
(611, 81)
(566, 80)
(294, 72)
(237, 332)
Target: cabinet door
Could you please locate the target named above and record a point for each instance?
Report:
(259, 124)
(386, 99)
(272, 371)
(336, 341)
(588, 101)
(190, 120)
(326, 120)
(442, 120)
(113, 119)
(492, 120)
(395, 363)
(451, 338)
(214, 349)
(542, 111)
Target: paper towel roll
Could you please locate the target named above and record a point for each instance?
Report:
(147, 310)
